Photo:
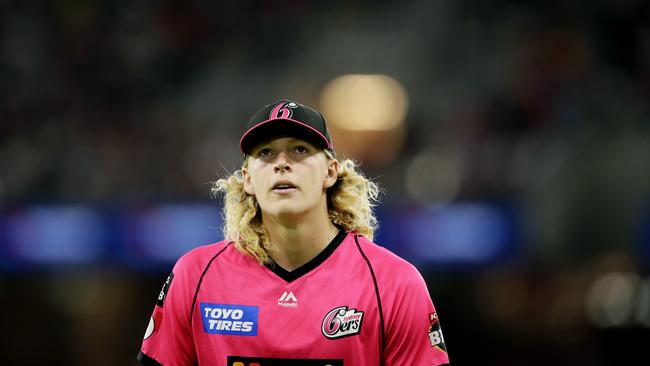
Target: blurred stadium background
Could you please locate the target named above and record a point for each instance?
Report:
(512, 139)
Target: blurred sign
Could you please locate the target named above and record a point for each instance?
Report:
(161, 234)
(155, 236)
(458, 234)
(53, 235)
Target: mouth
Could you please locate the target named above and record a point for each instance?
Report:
(284, 187)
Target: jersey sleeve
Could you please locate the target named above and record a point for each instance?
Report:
(168, 339)
(413, 332)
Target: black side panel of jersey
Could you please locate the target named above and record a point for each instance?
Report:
(146, 360)
(262, 361)
(381, 311)
(198, 285)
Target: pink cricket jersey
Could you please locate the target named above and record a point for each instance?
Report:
(356, 303)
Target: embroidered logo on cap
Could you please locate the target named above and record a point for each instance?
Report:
(283, 110)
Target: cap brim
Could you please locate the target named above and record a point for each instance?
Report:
(282, 127)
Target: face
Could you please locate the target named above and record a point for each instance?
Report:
(289, 177)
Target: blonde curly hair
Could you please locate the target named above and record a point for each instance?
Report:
(349, 204)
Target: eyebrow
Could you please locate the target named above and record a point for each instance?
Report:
(292, 141)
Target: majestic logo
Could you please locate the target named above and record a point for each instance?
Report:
(163, 291)
(288, 300)
(342, 322)
(435, 333)
(283, 110)
(229, 319)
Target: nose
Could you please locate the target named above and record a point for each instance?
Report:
(282, 163)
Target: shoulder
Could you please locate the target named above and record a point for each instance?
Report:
(387, 266)
(194, 262)
(186, 274)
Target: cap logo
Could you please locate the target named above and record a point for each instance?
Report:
(283, 110)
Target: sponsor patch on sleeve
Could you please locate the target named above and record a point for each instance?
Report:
(435, 333)
(228, 319)
(150, 328)
(163, 291)
(155, 322)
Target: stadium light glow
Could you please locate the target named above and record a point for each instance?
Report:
(364, 102)
(432, 178)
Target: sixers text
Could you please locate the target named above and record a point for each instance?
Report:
(341, 322)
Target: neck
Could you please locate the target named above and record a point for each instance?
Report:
(296, 243)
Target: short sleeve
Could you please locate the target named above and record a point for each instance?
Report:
(168, 339)
(413, 332)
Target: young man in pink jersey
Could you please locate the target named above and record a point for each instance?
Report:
(298, 280)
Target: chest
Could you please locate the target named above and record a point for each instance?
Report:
(326, 315)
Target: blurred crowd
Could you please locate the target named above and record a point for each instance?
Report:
(114, 100)
(543, 104)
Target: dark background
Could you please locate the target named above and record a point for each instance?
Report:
(519, 183)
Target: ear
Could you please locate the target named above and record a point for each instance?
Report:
(332, 173)
(248, 185)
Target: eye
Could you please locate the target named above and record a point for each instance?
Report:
(300, 149)
(263, 152)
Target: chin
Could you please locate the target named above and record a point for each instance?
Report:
(288, 212)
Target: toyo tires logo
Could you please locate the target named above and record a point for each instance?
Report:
(229, 319)
(342, 322)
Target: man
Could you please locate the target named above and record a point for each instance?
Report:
(297, 280)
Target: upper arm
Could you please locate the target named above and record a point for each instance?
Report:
(168, 339)
(413, 334)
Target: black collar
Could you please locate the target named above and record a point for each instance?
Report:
(290, 276)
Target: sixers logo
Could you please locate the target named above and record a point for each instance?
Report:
(342, 322)
(283, 110)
